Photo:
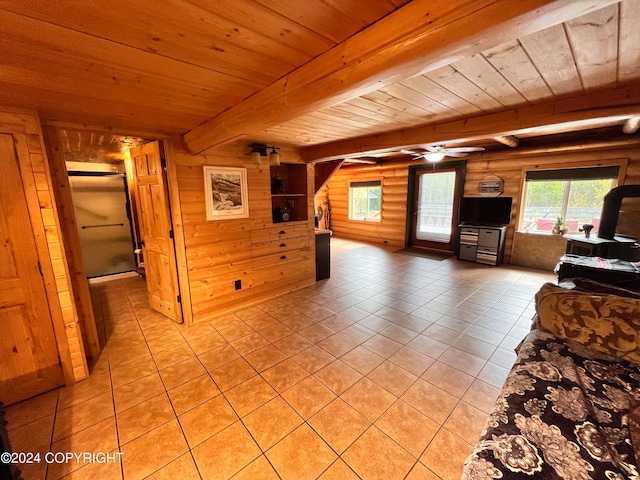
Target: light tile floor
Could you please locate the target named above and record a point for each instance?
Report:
(386, 370)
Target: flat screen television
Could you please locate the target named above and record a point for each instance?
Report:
(485, 210)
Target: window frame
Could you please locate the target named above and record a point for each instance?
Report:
(621, 163)
(350, 200)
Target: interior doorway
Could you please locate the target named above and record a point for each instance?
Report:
(434, 192)
(157, 238)
(120, 204)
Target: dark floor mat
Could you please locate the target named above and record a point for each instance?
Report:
(430, 254)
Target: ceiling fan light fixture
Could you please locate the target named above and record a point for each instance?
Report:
(434, 156)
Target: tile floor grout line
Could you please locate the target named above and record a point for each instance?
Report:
(113, 396)
(53, 429)
(166, 392)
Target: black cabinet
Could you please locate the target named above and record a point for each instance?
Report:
(624, 248)
(323, 254)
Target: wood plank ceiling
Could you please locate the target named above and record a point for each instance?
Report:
(167, 68)
(568, 59)
(163, 66)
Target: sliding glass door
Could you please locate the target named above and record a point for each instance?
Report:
(101, 208)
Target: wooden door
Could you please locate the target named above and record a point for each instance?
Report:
(435, 217)
(29, 362)
(156, 230)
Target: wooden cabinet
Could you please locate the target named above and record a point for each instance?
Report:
(481, 244)
(289, 192)
(278, 245)
(282, 256)
(281, 232)
(265, 263)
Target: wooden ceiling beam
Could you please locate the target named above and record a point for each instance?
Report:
(586, 111)
(417, 38)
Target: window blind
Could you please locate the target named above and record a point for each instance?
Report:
(593, 173)
(371, 183)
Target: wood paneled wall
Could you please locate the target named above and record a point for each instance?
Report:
(509, 165)
(217, 253)
(73, 250)
(36, 178)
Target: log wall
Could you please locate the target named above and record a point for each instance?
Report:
(391, 228)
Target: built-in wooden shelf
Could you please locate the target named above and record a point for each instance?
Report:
(289, 192)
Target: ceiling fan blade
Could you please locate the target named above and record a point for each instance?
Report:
(416, 155)
(450, 153)
(365, 160)
(464, 149)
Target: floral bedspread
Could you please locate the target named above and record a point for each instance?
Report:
(565, 412)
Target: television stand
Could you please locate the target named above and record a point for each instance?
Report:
(481, 243)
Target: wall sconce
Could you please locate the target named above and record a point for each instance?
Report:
(259, 150)
(274, 157)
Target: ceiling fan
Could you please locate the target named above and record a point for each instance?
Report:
(435, 153)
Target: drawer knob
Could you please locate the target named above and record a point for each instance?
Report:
(283, 244)
(283, 257)
(281, 232)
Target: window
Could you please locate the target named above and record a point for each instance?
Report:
(365, 201)
(575, 194)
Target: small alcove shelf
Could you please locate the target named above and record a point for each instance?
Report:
(289, 192)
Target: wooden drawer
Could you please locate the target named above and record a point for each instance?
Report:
(281, 258)
(279, 246)
(280, 232)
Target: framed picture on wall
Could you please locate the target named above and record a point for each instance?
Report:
(225, 190)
